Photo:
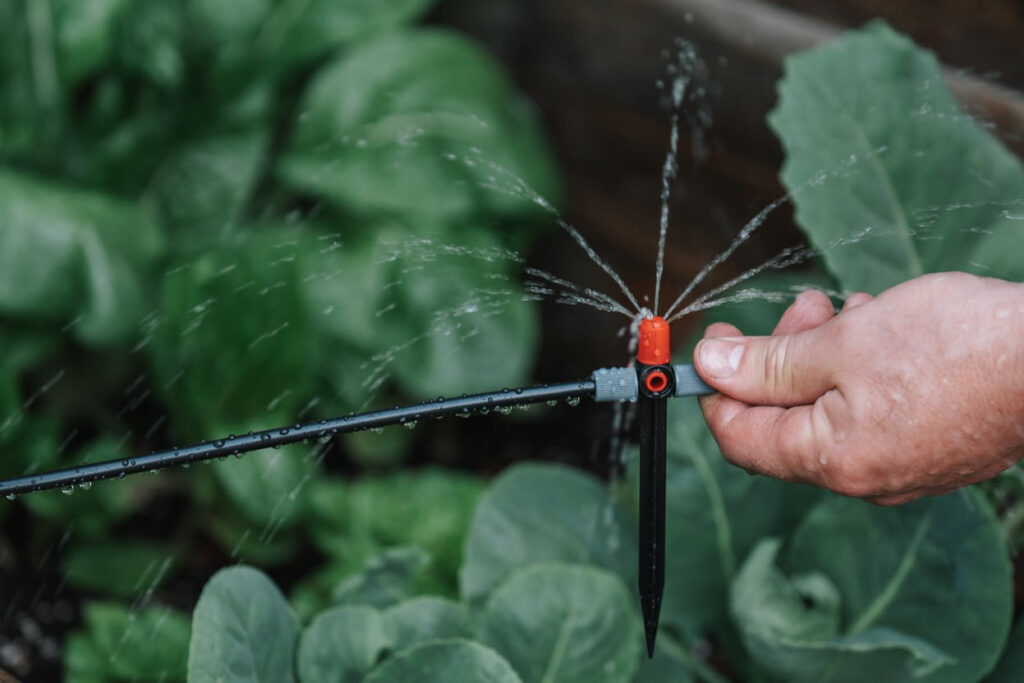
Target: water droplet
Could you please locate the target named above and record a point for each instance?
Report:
(124, 463)
(410, 424)
(10, 496)
(264, 437)
(131, 462)
(519, 390)
(219, 443)
(284, 431)
(551, 403)
(376, 430)
(120, 475)
(505, 410)
(85, 485)
(573, 401)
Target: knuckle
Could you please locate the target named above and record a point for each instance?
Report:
(777, 372)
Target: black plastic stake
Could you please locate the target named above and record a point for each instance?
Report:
(657, 383)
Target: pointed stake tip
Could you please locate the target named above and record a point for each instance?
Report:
(651, 633)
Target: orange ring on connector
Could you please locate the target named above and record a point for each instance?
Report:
(656, 381)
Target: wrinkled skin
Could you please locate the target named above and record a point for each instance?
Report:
(914, 393)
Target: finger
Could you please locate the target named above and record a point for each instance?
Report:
(778, 442)
(855, 300)
(722, 330)
(784, 370)
(809, 310)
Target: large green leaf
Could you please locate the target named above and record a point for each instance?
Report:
(440, 313)
(869, 123)
(388, 578)
(709, 526)
(545, 513)
(84, 33)
(324, 25)
(392, 509)
(269, 486)
(861, 593)
(426, 618)
(242, 631)
(1010, 668)
(422, 115)
(235, 344)
(342, 644)
(564, 623)
(67, 255)
(202, 188)
(443, 661)
(123, 645)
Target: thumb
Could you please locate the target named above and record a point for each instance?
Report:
(782, 370)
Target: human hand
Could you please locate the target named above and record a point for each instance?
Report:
(916, 392)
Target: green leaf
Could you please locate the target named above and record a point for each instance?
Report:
(321, 26)
(67, 255)
(202, 188)
(424, 114)
(91, 510)
(388, 578)
(125, 568)
(242, 631)
(149, 42)
(861, 593)
(440, 313)
(442, 661)
(147, 645)
(710, 526)
(430, 507)
(268, 487)
(868, 120)
(426, 618)
(19, 129)
(236, 345)
(1010, 668)
(85, 34)
(671, 662)
(342, 644)
(545, 513)
(556, 622)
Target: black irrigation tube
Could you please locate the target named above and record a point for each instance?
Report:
(254, 441)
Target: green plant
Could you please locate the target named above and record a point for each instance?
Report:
(196, 240)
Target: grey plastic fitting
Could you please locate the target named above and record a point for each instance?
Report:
(615, 384)
(620, 384)
(689, 383)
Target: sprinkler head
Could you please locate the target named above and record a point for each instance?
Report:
(654, 347)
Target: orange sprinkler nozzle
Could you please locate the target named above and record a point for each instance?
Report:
(654, 342)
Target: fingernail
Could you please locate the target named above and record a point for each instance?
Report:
(720, 357)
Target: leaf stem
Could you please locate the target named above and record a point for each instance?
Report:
(881, 602)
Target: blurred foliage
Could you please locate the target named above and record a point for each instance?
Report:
(218, 216)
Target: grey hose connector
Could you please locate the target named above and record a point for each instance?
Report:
(615, 384)
(689, 383)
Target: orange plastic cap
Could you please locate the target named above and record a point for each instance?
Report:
(654, 342)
